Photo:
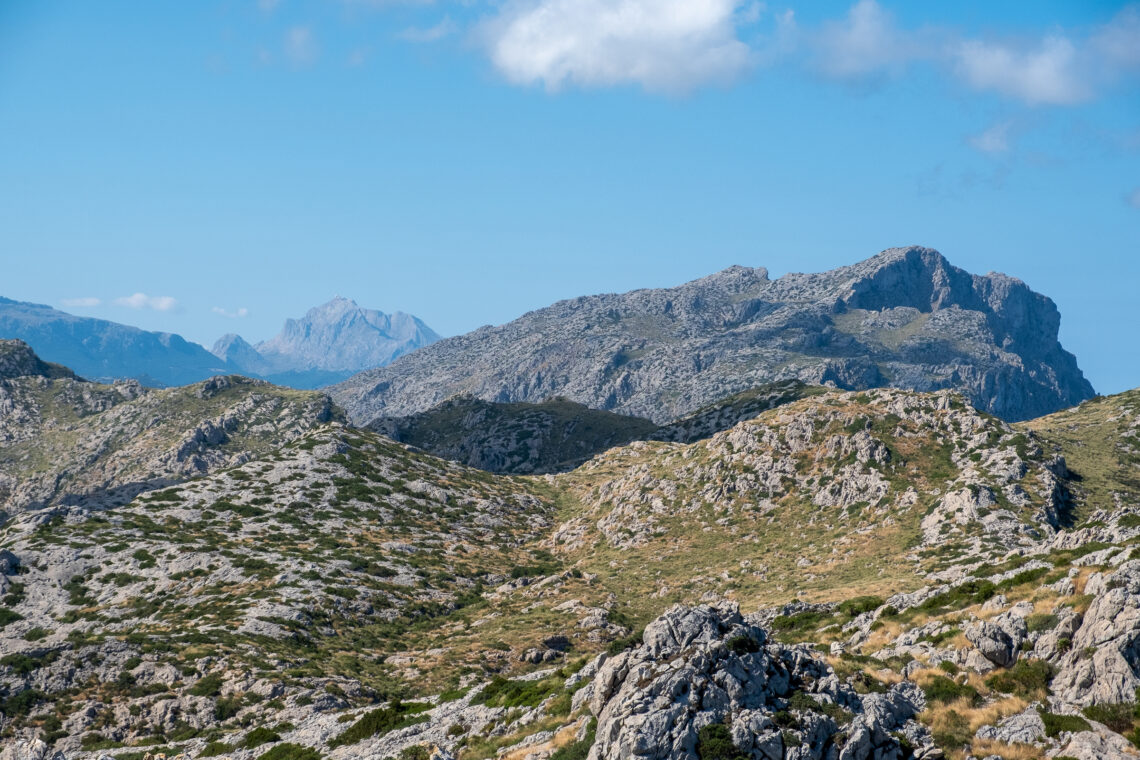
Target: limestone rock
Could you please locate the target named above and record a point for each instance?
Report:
(905, 318)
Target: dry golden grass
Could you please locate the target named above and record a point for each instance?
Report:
(562, 736)
(881, 637)
(986, 747)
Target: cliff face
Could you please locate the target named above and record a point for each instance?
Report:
(905, 318)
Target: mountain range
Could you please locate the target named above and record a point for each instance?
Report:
(788, 571)
(330, 343)
(905, 318)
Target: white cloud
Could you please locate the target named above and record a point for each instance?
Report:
(1118, 42)
(867, 43)
(143, 301)
(994, 140)
(1049, 74)
(301, 46)
(444, 28)
(662, 45)
(236, 314)
(1134, 198)
(268, 6)
(86, 301)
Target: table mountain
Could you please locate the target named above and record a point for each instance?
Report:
(905, 318)
(330, 343)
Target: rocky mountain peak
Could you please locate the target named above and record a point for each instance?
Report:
(329, 343)
(906, 318)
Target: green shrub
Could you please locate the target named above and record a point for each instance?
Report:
(1041, 622)
(714, 742)
(415, 752)
(9, 616)
(258, 736)
(502, 692)
(381, 721)
(860, 604)
(208, 686)
(290, 751)
(1055, 724)
(743, 645)
(942, 689)
(1027, 678)
(226, 708)
(1118, 717)
(213, 749)
(619, 645)
(964, 595)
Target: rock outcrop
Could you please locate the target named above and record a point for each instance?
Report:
(904, 318)
(1103, 663)
(706, 674)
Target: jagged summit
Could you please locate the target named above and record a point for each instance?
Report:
(327, 344)
(905, 318)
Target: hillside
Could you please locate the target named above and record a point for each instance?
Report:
(905, 318)
(67, 441)
(557, 435)
(342, 593)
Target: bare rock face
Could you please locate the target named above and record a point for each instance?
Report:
(706, 671)
(1103, 665)
(905, 318)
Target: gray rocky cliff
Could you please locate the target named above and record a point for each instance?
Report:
(904, 318)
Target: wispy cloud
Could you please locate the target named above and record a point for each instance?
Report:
(445, 28)
(867, 44)
(300, 46)
(235, 314)
(662, 45)
(1045, 74)
(1134, 198)
(268, 6)
(83, 301)
(994, 140)
(143, 301)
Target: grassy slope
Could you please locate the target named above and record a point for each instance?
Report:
(1100, 440)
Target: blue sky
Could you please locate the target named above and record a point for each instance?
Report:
(210, 167)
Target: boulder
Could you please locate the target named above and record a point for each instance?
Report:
(703, 667)
(1022, 728)
(994, 643)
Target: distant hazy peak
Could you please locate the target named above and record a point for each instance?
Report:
(330, 342)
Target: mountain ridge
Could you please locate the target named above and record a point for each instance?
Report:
(905, 318)
(99, 349)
